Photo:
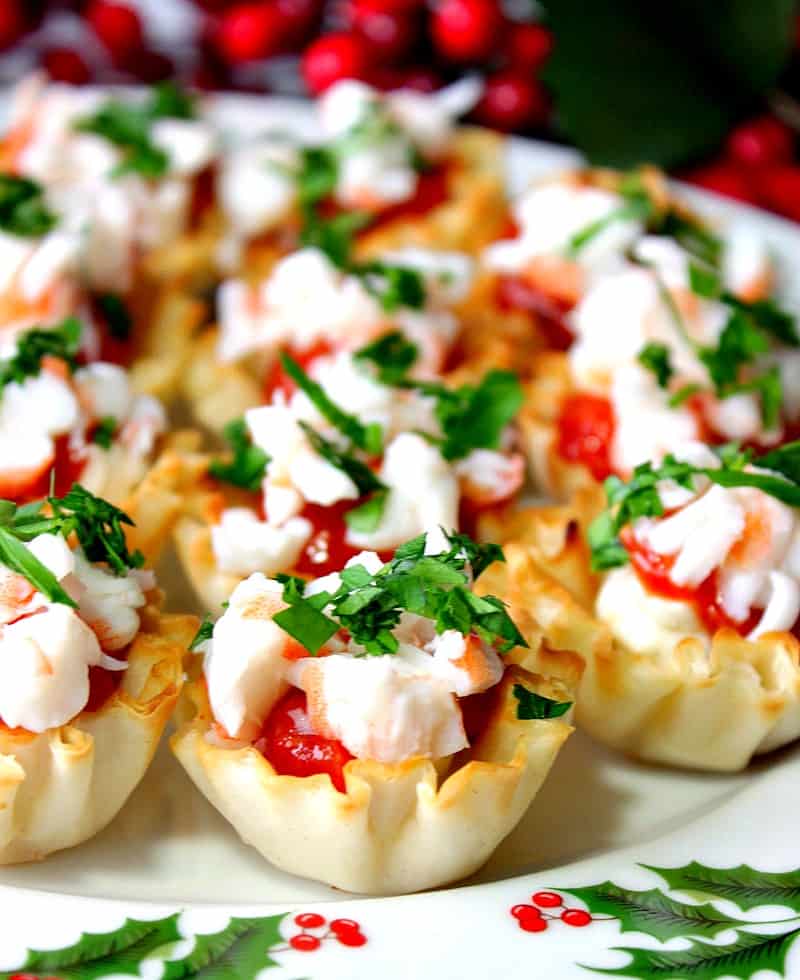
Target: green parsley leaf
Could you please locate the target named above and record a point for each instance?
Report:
(364, 478)
(204, 633)
(368, 438)
(770, 390)
(116, 315)
(638, 207)
(739, 343)
(532, 706)
(692, 236)
(392, 355)
(767, 316)
(16, 557)
(655, 357)
(23, 211)
(103, 434)
(98, 526)
(784, 460)
(474, 417)
(246, 468)
(704, 281)
(62, 342)
(367, 516)
(303, 618)
(394, 286)
(317, 175)
(127, 126)
(333, 236)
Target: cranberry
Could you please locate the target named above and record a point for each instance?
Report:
(341, 926)
(65, 65)
(547, 900)
(152, 66)
(391, 33)
(576, 917)
(466, 30)
(300, 19)
(512, 100)
(304, 942)
(12, 22)
(119, 29)
(309, 920)
(528, 46)
(417, 78)
(250, 31)
(333, 57)
(761, 142)
(722, 178)
(779, 189)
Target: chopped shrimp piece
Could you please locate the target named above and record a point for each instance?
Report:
(558, 277)
(488, 477)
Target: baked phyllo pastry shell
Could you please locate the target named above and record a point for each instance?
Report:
(549, 385)
(473, 213)
(700, 706)
(398, 827)
(60, 787)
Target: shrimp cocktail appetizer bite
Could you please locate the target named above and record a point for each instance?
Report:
(367, 728)
(90, 671)
(355, 451)
(683, 602)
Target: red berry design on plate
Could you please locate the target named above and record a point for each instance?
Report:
(340, 926)
(547, 900)
(532, 923)
(466, 30)
(304, 942)
(334, 57)
(354, 938)
(512, 100)
(761, 142)
(390, 32)
(118, 27)
(520, 911)
(576, 917)
(779, 189)
(309, 920)
(723, 178)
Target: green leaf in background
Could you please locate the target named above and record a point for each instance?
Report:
(704, 961)
(102, 954)
(744, 885)
(639, 82)
(652, 912)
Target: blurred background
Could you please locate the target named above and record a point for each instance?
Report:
(709, 89)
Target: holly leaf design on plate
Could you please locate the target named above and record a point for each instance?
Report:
(705, 961)
(102, 954)
(237, 952)
(652, 912)
(744, 885)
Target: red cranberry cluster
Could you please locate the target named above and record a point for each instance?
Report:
(535, 918)
(759, 166)
(346, 931)
(390, 43)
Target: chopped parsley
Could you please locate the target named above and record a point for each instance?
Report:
(655, 357)
(392, 357)
(473, 416)
(204, 633)
(366, 516)
(394, 286)
(533, 707)
(368, 438)
(369, 606)
(97, 525)
(116, 315)
(248, 463)
(23, 211)
(127, 125)
(62, 342)
(103, 434)
(333, 236)
(639, 497)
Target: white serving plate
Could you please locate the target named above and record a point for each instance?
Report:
(599, 818)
